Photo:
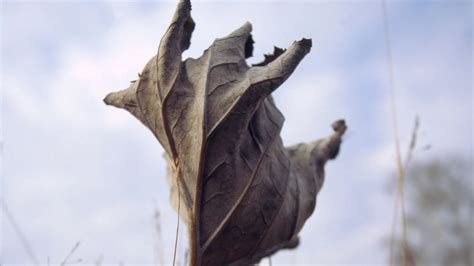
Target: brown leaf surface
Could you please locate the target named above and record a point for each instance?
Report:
(245, 196)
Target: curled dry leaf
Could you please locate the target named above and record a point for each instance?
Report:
(244, 195)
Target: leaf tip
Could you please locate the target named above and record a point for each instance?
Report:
(307, 41)
(108, 99)
(339, 126)
(333, 143)
(248, 26)
(306, 44)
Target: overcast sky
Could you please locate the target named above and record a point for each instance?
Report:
(75, 170)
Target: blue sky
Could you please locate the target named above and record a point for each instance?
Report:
(74, 169)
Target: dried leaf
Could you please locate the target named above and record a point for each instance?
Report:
(245, 196)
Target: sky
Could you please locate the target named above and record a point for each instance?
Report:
(74, 170)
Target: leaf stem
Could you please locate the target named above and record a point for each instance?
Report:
(179, 212)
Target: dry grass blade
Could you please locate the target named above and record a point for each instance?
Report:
(407, 258)
(16, 228)
(76, 261)
(408, 158)
(76, 246)
(393, 229)
(411, 147)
